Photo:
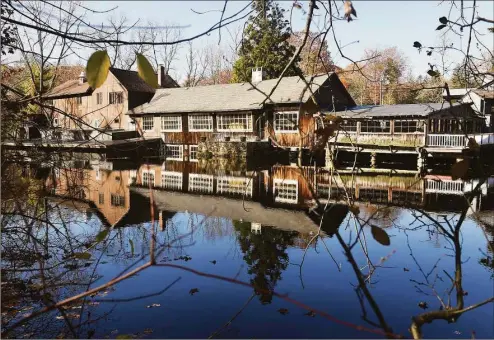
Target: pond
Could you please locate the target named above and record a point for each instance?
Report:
(189, 250)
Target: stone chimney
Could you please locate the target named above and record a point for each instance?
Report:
(82, 78)
(257, 74)
(161, 75)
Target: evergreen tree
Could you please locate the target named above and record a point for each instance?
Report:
(265, 44)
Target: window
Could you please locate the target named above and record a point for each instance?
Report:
(200, 183)
(174, 152)
(99, 98)
(286, 121)
(49, 102)
(408, 126)
(171, 180)
(117, 200)
(171, 123)
(55, 122)
(193, 153)
(374, 126)
(148, 178)
(148, 123)
(234, 185)
(200, 123)
(96, 123)
(285, 191)
(115, 97)
(79, 100)
(101, 198)
(235, 122)
(349, 125)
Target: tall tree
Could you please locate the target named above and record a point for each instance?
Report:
(315, 57)
(265, 43)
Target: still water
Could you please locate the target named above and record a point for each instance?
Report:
(232, 253)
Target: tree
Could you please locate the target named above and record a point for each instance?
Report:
(265, 44)
(463, 77)
(379, 80)
(266, 255)
(315, 56)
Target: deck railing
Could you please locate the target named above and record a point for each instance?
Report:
(446, 141)
(444, 187)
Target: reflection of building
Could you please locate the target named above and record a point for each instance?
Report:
(107, 190)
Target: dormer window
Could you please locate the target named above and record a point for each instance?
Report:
(115, 97)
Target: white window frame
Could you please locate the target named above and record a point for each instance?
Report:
(117, 200)
(204, 178)
(148, 172)
(242, 186)
(175, 177)
(99, 98)
(210, 121)
(280, 182)
(55, 122)
(221, 117)
(418, 122)
(179, 121)
(180, 151)
(286, 113)
(144, 125)
(190, 153)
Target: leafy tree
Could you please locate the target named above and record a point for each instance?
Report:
(313, 62)
(265, 255)
(265, 44)
(462, 79)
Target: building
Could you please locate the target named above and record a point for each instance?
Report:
(184, 117)
(97, 112)
(482, 101)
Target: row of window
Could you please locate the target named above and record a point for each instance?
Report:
(113, 98)
(176, 152)
(115, 200)
(238, 122)
(384, 126)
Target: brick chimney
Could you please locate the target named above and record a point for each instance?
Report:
(257, 75)
(161, 75)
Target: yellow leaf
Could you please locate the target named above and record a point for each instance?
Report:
(102, 235)
(146, 71)
(460, 169)
(472, 144)
(82, 256)
(97, 69)
(380, 235)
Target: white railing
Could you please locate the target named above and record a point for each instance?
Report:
(444, 187)
(446, 140)
(484, 138)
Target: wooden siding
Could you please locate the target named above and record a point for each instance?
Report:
(89, 110)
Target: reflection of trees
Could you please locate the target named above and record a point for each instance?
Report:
(266, 256)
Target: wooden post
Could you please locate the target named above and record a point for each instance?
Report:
(373, 160)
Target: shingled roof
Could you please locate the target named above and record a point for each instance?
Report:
(131, 81)
(230, 97)
(400, 110)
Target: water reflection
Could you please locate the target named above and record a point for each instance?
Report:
(204, 234)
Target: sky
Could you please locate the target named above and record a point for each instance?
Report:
(380, 24)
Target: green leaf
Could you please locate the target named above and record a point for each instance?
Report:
(440, 27)
(146, 71)
(460, 169)
(131, 247)
(97, 69)
(416, 44)
(102, 235)
(380, 235)
(82, 256)
(443, 20)
(433, 73)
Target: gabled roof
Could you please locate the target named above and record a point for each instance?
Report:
(230, 97)
(404, 110)
(71, 88)
(129, 79)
